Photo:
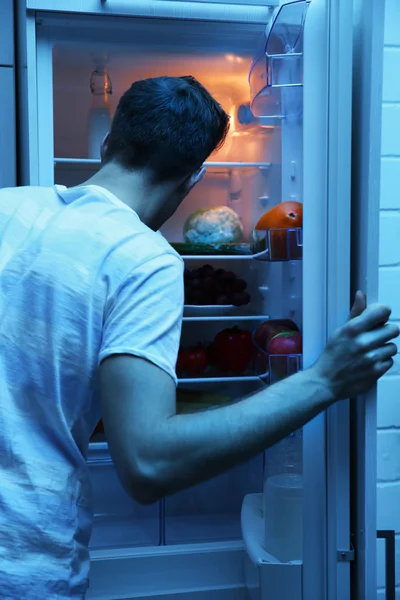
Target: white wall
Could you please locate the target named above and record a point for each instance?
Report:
(389, 291)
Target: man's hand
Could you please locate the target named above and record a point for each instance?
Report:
(360, 352)
(360, 304)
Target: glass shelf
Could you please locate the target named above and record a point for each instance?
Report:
(216, 379)
(208, 257)
(269, 368)
(234, 317)
(93, 162)
(272, 245)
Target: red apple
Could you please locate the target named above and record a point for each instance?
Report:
(281, 349)
(269, 329)
(286, 342)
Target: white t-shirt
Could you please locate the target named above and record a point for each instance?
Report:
(81, 278)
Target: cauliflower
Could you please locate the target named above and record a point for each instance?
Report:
(216, 225)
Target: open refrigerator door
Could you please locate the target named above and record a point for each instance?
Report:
(367, 90)
(322, 57)
(271, 270)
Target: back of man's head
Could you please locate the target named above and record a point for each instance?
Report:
(168, 125)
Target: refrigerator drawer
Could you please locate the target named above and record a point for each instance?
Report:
(119, 521)
(210, 512)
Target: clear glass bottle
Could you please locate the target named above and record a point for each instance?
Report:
(99, 121)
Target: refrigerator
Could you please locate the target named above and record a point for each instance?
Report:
(284, 72)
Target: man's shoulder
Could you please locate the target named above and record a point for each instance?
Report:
(150, 252)
(26, 191)
(134, 248)
(162, 247)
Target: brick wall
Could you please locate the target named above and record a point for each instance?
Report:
(389, 291)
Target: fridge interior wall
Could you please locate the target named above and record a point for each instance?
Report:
(219, 56)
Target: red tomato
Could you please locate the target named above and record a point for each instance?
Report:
(195, 361)
(233, 350)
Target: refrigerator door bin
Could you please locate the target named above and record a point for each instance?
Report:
(283, 499)
(119, 521)
(278, 244)
(274, 367)
(266, 577)
(280, 65)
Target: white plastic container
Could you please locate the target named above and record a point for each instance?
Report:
(283, 499)
(283, 517)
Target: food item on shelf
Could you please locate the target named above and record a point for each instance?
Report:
(216, 225)
(280, 243)
(233, 350)
(240, 298)
(286, 215)
(280, 349)
(192, 362)
(269, 329)
(209, 286)
(276, 339)
(286, 342)
(212, 249)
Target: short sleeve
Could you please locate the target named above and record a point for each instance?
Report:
(144, 317)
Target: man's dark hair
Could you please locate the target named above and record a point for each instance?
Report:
(169, 125)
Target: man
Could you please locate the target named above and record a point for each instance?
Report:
(91, 304)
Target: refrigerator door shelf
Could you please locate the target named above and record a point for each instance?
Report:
(280, 65)
(278, 244)
(279, 366)
(266, 577)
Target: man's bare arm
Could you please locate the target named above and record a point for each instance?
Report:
(157, 452)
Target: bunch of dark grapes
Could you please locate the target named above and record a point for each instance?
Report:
(209, 286)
